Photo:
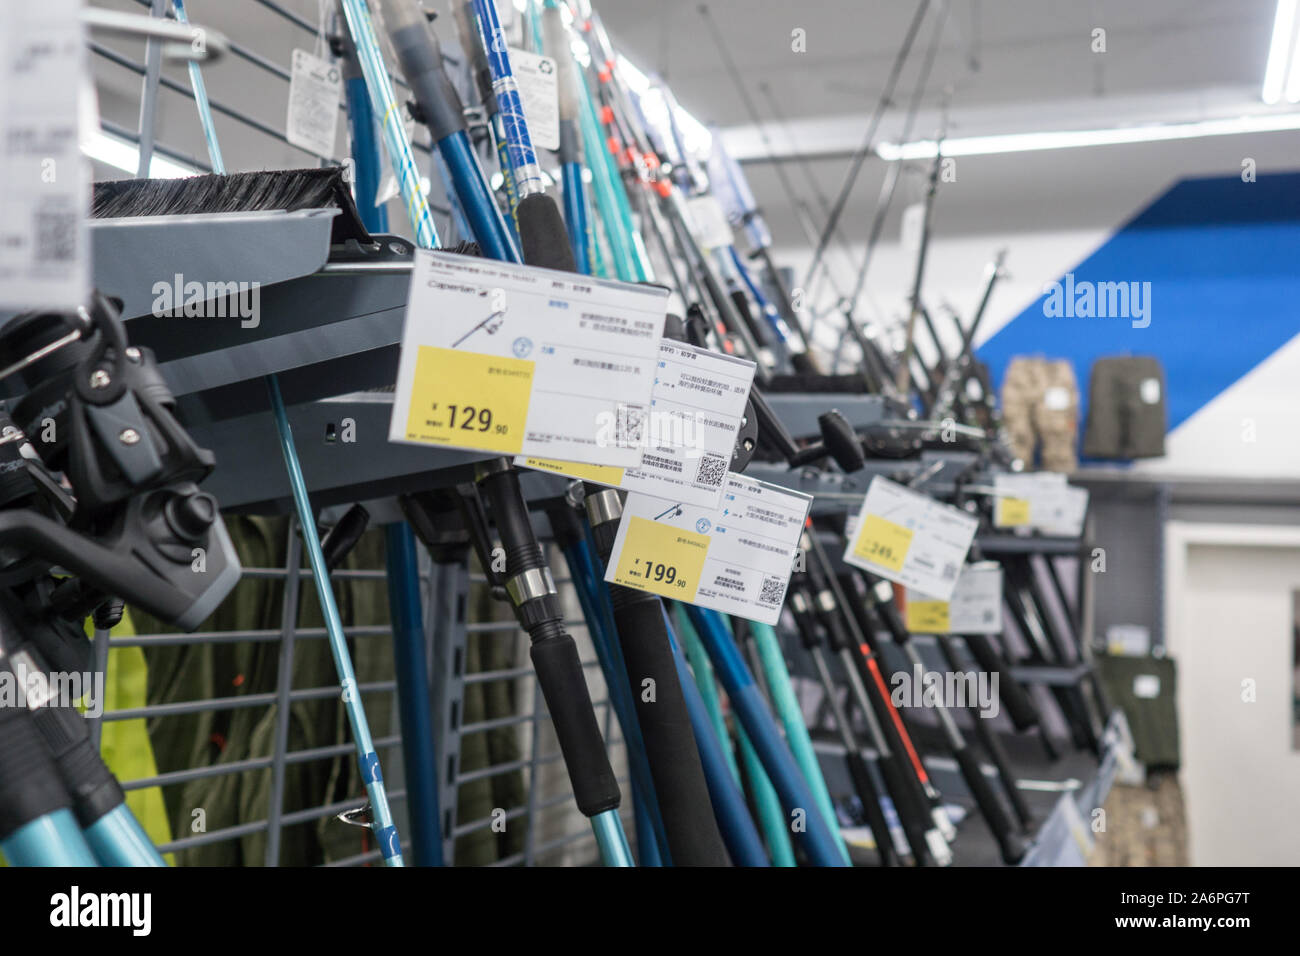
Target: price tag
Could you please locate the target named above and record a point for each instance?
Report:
(1011, 512)
(469, 400)
(928, 617)
(534, 362)
(539, 93)
(315, 86)
(882, 542)
(660, 558)
(709, 223)
(696, 407)
(735, 558)
(974, 608)
(1040, 500)
(910, 538)
(44, 180)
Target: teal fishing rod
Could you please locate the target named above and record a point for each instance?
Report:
(381, 817)
(528, 580)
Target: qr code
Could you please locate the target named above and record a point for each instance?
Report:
(56, 235)
(772, 592)
(711, 471)
(949, 572)
(631, 426)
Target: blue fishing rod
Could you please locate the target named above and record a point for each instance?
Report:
(572, 536)
(381, 817)
(796, 796)
(415, 710)
(558, 43)
(529, 583)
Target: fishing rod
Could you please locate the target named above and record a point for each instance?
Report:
(878, 597)
(868, 141)
(682, 793)
(801, 603)
(381, 821)
(463, 14)
(420, 56)
(917, 802)
(644, 166)
(415, 714)
(927, 220)
(558, 42)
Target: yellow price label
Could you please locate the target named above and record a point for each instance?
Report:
(661, 559)
(469, 400)
(882, 542)
(1012, 512)
(928, 617)
(600, 474)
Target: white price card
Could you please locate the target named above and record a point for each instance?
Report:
(315, 87)
(696, 407)
(44, 180)
(539, 94)
(1041, 500)
(709, 223)
(908, 537)
(735, 558)
(974, 608)
(526, 361)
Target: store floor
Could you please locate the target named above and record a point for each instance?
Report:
(1144, 826)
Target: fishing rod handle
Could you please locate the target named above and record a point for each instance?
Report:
(532, 591)
(665, 721)
(928, 848)
(420, 56)
(867, 793)
(30, 786)
(1011, 843)
(1020, 707)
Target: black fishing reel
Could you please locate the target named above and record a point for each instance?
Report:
(106, 488)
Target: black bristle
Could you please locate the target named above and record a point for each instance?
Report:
(286, 189)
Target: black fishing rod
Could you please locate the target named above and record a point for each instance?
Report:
(868, 141)
(878, 595)
(800, 602)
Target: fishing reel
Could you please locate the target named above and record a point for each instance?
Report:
(105, 479)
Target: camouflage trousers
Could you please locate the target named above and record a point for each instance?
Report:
(1040, 405)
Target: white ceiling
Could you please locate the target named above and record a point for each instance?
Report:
(1022, 64)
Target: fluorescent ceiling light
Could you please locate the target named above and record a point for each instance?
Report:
(1066, 139)
(1280, 54)
(126, 156)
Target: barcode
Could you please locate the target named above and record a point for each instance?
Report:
(772, 592)
(56, 235)
(711, 471)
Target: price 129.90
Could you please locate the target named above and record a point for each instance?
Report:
(474, 419)
(659, 572)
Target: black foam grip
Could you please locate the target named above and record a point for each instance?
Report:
(1010, 842)
(910, 803)
(875, 814)
(559, 672)
(29, 782)
(94, 789)
(1020, 707)
(542, 234)
(682, 791)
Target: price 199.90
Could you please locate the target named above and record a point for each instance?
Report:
(659, 572)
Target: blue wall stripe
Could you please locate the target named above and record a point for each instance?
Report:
(1223, 260)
